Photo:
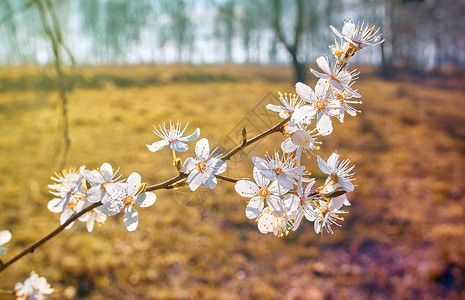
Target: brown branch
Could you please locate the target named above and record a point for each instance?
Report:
(245, 143)
(228, 179)
(169, 184)
(39, 243)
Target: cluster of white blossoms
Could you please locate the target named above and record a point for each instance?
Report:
(283, 192)
(77, 190)
(33, 288)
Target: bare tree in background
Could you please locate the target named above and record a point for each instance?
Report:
(291, 45)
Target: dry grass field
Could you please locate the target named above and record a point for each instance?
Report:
(404, 237)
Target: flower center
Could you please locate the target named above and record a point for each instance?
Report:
(301, 138)
(320, 105)
(71, 205)
(128, 201)
(264, 193)
(334, 178)
(202, 166)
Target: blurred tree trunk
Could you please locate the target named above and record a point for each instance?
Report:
(291, 46)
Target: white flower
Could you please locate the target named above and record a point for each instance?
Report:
(300, 139)
(69, 187)
(343, 97)
(95, 215)
(173, 137)
(321, 103)
(99, 179)
(290, 103)
(304, 202)
(337, 75)
(283, 170)
(338, 173)
(259, 191)
(362, 35)
(327, 213)
(339, 50)
(277, 216)
(33, 288)
(5, 237)
(126, 195)
(201, 169)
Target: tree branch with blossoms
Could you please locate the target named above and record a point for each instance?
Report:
(282, 193)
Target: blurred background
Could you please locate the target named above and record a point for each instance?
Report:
(83, 82)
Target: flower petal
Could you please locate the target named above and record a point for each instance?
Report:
(303, 114)
(107, 172)
(55, 205)
(189, 164)
(324, 167)
(254, 208)
(179, 146)
(145, 199)
(216, 166)
(131, 218)
(202, 149)
(246, 188)
(5, 237)
(276, 108)
(158, 145)
(191, 137)
(133, 184)
(194, 180)
(304, 91)
(210, 182)
(288, 146)
(324, 125)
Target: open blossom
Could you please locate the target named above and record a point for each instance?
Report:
(338, 76)
(125, 195)
(33, 288)
(277, 216)
(90, 217)
(69, 187)
(304, 201)
(328, 214)
(300, 140)
(283, 170)
(343, 98)
(362, 35)
(173, 137)
(5, 237)
(290, 103)
(321, 104)
(259, 192)
(338, 173)
(98, 179)
(202, 170)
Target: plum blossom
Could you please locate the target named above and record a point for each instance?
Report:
(98, 180)
(259, 191)
(338, 173)
(5, 237)
(290, 103)
(327, 214)
(202, 170)
(360, 36)
(304, 201)
(300, 140)
(173, 137)
(125, 195)
(338, 76)
(69, 186)
(277, 216)
(283, 170)
(343, 98)
(33, 288)
(321, 104)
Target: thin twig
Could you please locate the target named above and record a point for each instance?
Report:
(228, 179)
(59, 229)
(274, 129)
